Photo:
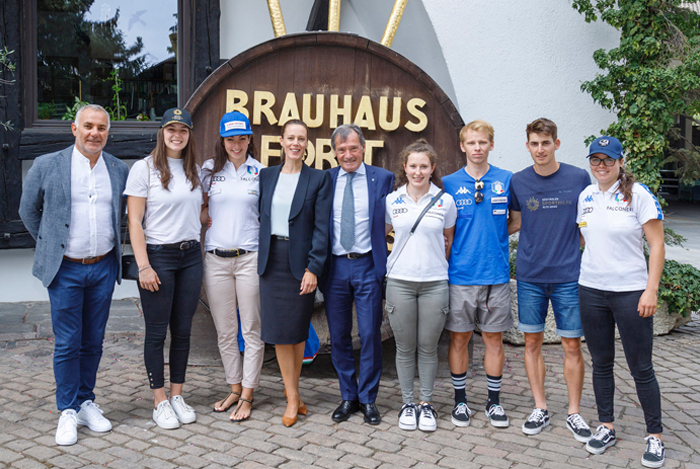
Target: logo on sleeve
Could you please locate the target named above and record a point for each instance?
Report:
(498, 187)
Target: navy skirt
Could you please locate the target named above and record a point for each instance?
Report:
(285, 315)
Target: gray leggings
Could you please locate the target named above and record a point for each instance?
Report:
(417, 314)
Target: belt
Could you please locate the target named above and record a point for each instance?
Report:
(228, 252)
(88, 260)
(354, 255)
(182, 246)
(281, 238)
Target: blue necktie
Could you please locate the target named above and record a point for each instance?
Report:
(347, 215)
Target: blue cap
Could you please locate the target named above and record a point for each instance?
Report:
(176, 115)
(235, 123)
(606, 145)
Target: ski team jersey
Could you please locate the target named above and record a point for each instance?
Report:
(423, 258)
(233, 205)
(479, 253)
(614, 256)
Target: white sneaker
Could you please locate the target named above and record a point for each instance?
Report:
(426, 418)
(90, 414)
(165, 417)
(407, 417)
(67, 431)
(184, 413)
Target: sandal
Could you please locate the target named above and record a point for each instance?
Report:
(225, 399)
(240, 403)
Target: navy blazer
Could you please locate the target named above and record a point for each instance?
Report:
(380, 182)
(45, 208)
(308, 220)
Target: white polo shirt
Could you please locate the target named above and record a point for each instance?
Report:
(423, 258)
(614, 257)
(233, 205)
(173, 215)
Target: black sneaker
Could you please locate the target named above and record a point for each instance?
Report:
(497, 416)
(461, 415)
(538, 419)
(603, 439)
(578, 426)
(654, 455)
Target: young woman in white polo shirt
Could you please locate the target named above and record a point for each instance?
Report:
(231, 182)
(164, 199)
(616, 289)
(417, 293)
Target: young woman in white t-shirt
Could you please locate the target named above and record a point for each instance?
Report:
(615, 288)
(231, 180)
(417, 292)
(164, 200)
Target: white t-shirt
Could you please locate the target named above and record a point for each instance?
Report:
(614, 258)
(171, 215)
(233, 205)
(423, 259)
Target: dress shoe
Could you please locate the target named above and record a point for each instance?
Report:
(302, 410)
(372, 415)
(344, 410)
(289, 421)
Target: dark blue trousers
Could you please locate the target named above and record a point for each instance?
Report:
(80, 298)
(355, 280)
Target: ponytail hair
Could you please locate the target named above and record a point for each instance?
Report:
(419, 146)
(627, 180)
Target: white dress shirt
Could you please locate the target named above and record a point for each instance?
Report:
(282, 199)
(91, 233)
(363, 240)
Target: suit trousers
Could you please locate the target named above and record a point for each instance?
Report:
(232, 285)
(80, 298)
(355, 280)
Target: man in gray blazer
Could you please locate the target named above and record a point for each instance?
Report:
(72, 205)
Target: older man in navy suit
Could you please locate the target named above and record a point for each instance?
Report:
(72, 205)
(355, 270)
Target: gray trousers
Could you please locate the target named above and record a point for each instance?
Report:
(417, 313)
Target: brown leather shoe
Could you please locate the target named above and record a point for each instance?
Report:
(289, 421)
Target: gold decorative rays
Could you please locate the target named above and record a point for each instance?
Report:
(334, 19)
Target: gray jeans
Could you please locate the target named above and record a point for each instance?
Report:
(417, 313)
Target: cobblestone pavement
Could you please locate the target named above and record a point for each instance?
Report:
(28, 416)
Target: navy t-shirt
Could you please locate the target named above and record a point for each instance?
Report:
(549, 247)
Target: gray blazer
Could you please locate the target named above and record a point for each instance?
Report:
(45, 208)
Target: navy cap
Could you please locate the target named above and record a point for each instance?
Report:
(606, 145)
(176, 115)
(235, 123)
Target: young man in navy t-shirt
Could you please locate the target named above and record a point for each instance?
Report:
(479, 271)
(543, 207)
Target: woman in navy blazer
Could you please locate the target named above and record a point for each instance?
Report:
(295, 205)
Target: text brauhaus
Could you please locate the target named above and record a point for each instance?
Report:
(371, 113)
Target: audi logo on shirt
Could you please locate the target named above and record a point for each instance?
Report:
(398, 211)
(218, 178)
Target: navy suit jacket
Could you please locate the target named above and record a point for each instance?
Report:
(380, 182)
(45, 208)
(308, 220)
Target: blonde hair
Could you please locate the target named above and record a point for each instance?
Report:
(476, 126)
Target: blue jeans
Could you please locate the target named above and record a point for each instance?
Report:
(80, 297)
(600, 311)
(532, 308)
(174, 304)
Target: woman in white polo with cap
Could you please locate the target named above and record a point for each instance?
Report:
(231, 279)
(615, 288)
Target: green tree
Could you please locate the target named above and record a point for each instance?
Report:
(652, 77)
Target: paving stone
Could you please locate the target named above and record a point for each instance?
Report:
(26, 463)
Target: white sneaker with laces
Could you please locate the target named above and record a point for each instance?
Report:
(578, 426)
(67, 431)
(407, 417)
(461, 415)
(90, 414)
(427, 418)
(165, 417)
(184, 413)
(535, 423)
(655, 453)
(497, 416)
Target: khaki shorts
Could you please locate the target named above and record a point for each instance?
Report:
(487, 305)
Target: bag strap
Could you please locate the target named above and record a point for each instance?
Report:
(415, 225)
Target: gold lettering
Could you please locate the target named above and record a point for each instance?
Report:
(324, 152)
(365, 116)
(290, 109)
(236, 101)
(384, 123)
(345, 111)
(412, 107)
(370, 145)
(266, 152)
(262, 104)
(310, 154)
(306, 111)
